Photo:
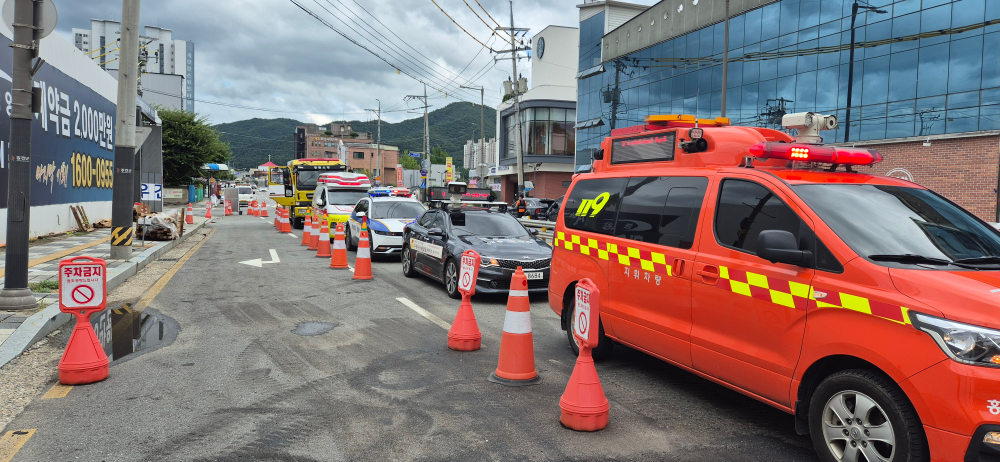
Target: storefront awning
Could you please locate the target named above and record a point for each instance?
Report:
(591, 71)
(215, 167)
(589, 123)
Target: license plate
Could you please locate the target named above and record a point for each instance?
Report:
(533, 275)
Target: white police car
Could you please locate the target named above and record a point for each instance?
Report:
(387, 215)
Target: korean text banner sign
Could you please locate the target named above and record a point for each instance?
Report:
(72, 144)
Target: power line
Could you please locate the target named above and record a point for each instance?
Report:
(342, 34)
(495, 22)
(460, 27)
(404, 41)
(240, 106)
(393, 48)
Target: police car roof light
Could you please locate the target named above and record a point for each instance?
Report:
(813, 153)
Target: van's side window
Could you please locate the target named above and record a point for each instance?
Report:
(593, 204)
(661, 210)
(745, 209)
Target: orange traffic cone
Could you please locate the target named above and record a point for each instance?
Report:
(363, 258)
(84, 360)
(284, 226)
(339, 258)
(228, 210)
(263, 209)
(324, 240)
(464, 334)
(516, 366)
(584, 405)
(254, 208)
(208, 209)
(314, 234)
(190, 214)
(306, 230)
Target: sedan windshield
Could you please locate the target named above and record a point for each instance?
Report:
(902, 225)
(243, 191)
(490, 225)
(397, 209)
(335, 197)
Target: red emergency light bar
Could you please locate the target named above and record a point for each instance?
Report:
(812, 153)
(339, 180)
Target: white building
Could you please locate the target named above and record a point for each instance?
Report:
(163, 54)
(479, 163)
(548, 114)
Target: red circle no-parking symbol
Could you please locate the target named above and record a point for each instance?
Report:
(82, 294)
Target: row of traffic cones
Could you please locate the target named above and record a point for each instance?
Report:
(316, 236)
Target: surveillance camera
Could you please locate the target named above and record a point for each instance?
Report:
(809, 125)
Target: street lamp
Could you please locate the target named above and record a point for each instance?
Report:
(850, 67)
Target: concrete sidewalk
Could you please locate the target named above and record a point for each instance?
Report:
(19, 329)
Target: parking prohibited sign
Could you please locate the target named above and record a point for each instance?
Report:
(586, 313)
(468, 272)
(82, 283)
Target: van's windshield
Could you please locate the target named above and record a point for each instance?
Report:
(904, 225)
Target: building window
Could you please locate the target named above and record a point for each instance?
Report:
(359, 155)
(544, 131)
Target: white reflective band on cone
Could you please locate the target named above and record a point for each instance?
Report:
(364, 253)
(517, 322)
(324, 237)
(519, 293)
(339, 244)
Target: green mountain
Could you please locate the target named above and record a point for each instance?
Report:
(253, 140)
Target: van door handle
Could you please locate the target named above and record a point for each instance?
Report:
(677, 267)
(710, 274)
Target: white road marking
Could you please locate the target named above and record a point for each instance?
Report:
(350, 268)
(427, 314)
(290, 234)
(258, 262)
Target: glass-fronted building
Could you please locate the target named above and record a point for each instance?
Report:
(921, 68)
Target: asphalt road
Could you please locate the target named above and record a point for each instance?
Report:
(241, 382)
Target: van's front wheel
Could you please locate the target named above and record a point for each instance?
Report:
(857, 415)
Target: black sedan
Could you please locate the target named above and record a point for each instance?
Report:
(433, 246)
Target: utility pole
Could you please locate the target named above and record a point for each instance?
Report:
(427, 138)
(725, 61)
(16, 295)
(514, 49)
(122, 192)
(482, 133)
(378, 142)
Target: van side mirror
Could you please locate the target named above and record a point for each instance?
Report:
(599, 154)
(533, 231)
(777, 246)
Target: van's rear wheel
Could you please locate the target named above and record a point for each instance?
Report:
(604, 344)
(858, 415)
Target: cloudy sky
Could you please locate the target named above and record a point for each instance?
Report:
(272, 54)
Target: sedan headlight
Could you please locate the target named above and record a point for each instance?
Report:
(386, 233)
(487, 261)
(965, 343)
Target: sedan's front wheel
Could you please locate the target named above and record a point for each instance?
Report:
(451, 279)
(407, 258)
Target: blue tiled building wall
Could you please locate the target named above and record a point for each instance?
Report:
(924, 67)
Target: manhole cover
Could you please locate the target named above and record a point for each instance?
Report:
(313, 328)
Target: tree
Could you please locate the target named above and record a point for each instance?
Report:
(328, 133)
(438, 156)
(189, 142)
(409, 163)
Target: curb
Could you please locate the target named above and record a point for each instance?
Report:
(42, 323)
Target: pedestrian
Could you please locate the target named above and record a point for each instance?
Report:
(521, 206)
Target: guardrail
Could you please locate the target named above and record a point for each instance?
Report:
(546, 228)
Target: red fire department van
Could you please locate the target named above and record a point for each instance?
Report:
(866, 306)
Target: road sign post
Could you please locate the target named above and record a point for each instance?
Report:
(583, 404)
(464, 334)
(83, 284)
